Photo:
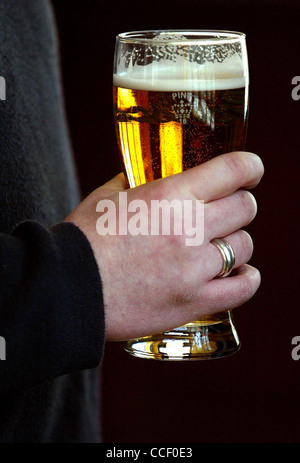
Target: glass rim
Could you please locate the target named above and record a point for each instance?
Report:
(205, 36)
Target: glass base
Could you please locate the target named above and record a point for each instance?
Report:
(213, 337)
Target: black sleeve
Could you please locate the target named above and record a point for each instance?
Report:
(51, 305)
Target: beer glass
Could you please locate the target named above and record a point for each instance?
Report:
(180, 99)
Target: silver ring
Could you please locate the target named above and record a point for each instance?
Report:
(227, 254)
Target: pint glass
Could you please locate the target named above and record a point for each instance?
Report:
(180, 99)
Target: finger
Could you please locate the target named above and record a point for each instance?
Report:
(222, 175)
(224, 216)
(227, 293)
(242, 245)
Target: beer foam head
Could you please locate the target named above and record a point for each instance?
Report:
(182, 75)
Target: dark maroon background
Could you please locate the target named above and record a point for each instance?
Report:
(252, 396)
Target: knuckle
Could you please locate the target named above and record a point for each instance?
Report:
(238, 165)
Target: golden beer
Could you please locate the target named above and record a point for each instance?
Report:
(162, 133)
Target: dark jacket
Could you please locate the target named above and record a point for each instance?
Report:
(51, 307)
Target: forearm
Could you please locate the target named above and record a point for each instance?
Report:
(51, 308)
